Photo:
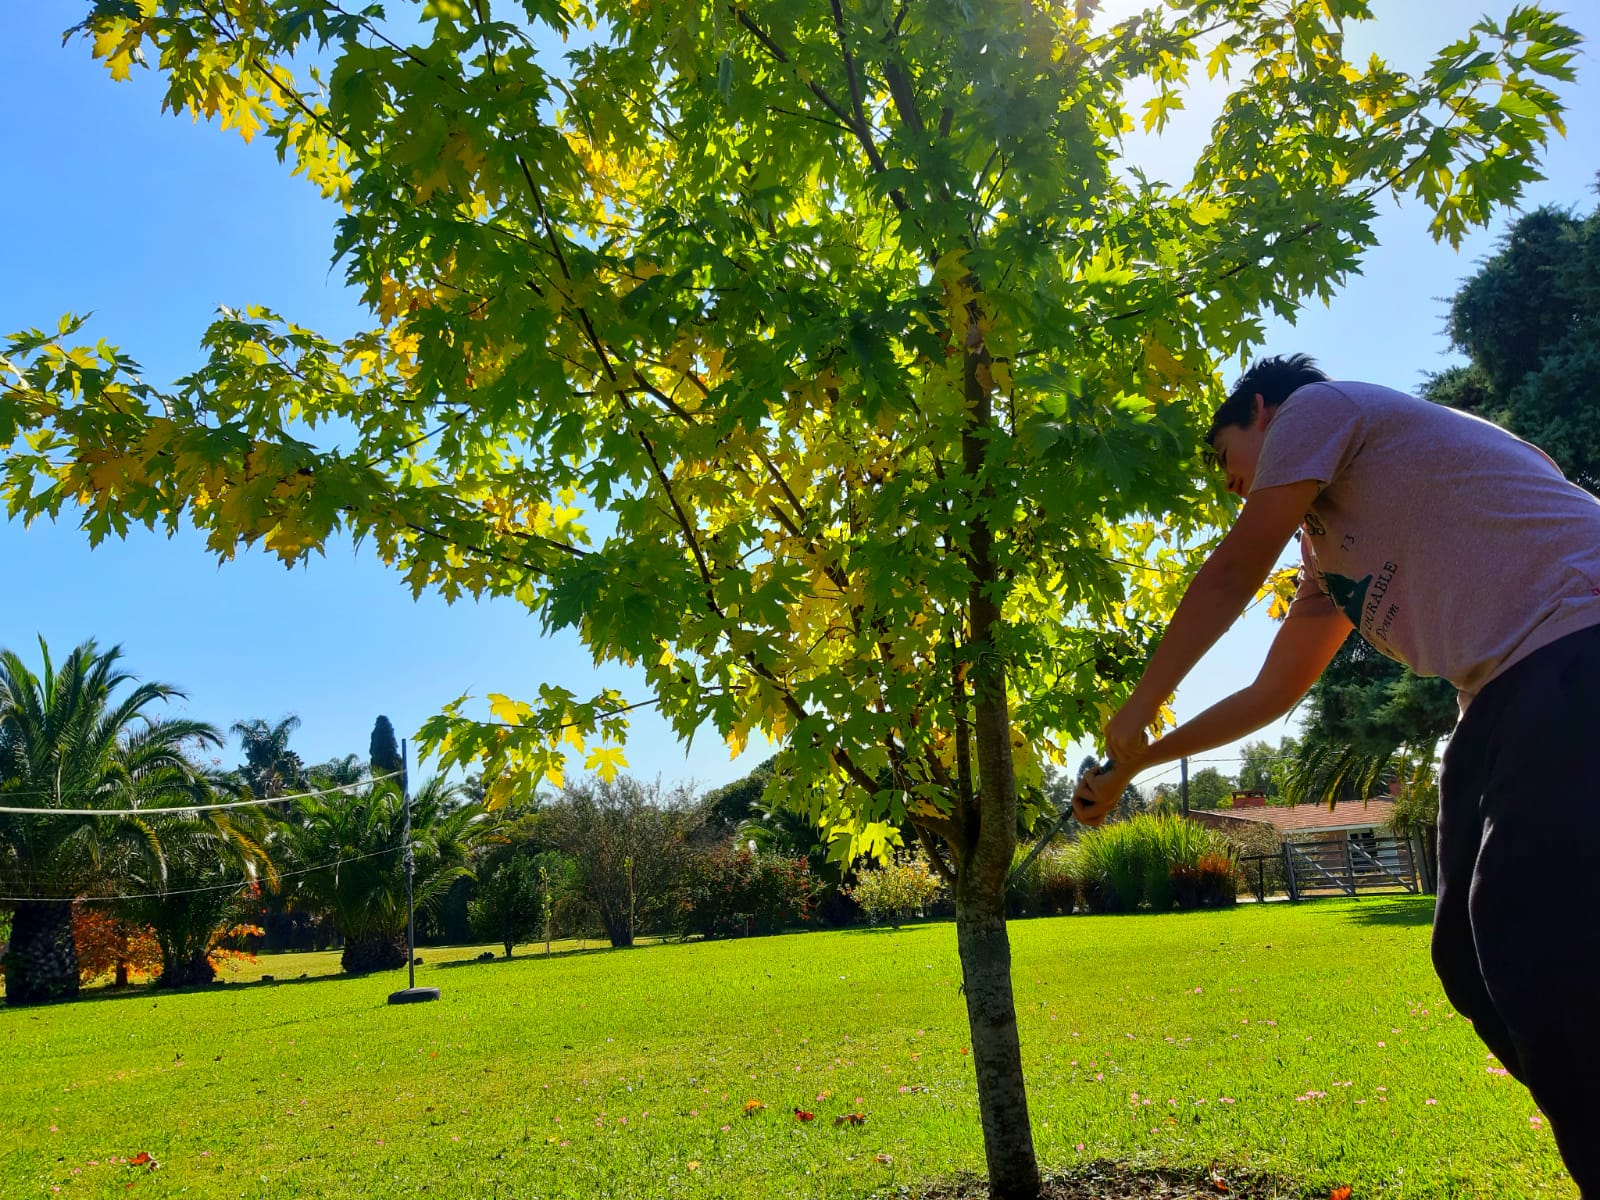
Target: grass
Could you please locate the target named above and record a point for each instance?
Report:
(1310, 1042)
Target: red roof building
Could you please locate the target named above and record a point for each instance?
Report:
(1302, 821)
(1347, 848)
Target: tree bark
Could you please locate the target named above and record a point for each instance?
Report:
(41, 961)
(981, 874)
(996, 1049)
(985, 951)
(619, 930)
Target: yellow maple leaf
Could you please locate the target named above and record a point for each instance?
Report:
(1279, 589)
(739, 735)
(507, 710)
(289, 541)
(607, 760)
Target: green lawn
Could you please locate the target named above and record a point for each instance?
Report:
(1311, 1042)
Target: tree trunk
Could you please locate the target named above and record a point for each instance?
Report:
(985, 951)
(378, 952)
(982, 871)
(619, 927)
(986, 815)
(41, 962)
(996, 1049)
(192, 970)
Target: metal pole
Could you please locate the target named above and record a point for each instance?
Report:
(411, 925)
(1183, 785)
(413, 993)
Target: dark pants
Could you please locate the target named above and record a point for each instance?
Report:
(1516, 936)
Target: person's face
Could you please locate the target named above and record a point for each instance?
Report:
(1238, 446)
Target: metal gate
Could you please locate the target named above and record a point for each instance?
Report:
(1364, 863)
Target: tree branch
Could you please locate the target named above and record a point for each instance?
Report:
(925, 836)
(904, 94)
(777, 52)
(856, 121)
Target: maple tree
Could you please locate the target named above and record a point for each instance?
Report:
(827, 361)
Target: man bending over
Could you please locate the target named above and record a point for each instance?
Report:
(1461, 551)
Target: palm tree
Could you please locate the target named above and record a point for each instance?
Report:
(208, 862)
(1325, 772)
(73, 739)
(270, 768)
(348, 851)
(337, 772)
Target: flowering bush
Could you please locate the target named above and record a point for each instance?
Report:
(897, 891)
(733, 891)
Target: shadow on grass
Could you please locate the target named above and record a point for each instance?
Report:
(908, 927)
(534, 956)
(107, 994)
(1106, 1179)
(1391, 911)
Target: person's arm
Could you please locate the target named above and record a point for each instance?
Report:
(1220, 590)
(1301, 650)
(1303, 647)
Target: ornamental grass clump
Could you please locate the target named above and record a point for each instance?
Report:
(1046, 887)
(1154, 862)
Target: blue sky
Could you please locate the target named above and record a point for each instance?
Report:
(152, 222)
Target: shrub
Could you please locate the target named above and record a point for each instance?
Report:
(1219, 881)
(897, 891)
(1210, 882)
(509, 906)
(629, 840)
(1047, 888)
(1253, 842)
(1159, 892)
(1109, 869)
(108, 945)
(730, 890)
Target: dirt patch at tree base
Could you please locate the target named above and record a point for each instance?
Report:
(1117, 1181)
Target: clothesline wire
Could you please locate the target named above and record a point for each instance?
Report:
(253, 802)
(215, 887)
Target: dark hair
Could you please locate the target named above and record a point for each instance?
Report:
(1273, 379)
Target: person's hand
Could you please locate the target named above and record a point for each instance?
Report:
(1098, 793)
(1126, 736)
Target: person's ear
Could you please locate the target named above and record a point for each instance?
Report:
(1263, 414)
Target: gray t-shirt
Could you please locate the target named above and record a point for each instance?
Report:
(1452, 545)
